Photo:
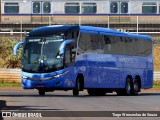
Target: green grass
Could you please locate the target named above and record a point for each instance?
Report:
(156, 87)
(156, 84)
(9, 84)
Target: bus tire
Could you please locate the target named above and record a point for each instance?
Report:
(41, 92)
(135, 88)
(77, 88)
(127, 90)
(128, 87)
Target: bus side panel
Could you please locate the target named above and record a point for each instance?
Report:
(150, 72)
(111, 71)
(137, 66)
(69, 77)
(149, 78)
(100, 70)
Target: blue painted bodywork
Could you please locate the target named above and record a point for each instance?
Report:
(55, 82)
(107, 71)
(98, 70)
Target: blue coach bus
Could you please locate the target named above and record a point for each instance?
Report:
(101, 60)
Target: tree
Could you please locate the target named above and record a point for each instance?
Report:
(7, 59)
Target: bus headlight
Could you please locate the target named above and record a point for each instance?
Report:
(24, 77)
(59, 75)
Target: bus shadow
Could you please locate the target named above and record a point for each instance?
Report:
(149, 94)
(70, 95)
(53, 95)
(4, 107)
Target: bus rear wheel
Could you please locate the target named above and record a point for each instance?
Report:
(127, 90)
(135, 88)
(41, 92)
(128, 87)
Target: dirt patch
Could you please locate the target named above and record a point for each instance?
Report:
(11, 88)
(151, 90)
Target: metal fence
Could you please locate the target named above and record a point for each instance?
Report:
(14, 75)
(157, 75)
(10, 75)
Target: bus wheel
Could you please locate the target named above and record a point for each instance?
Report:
(127, 90)
(135, 88)
(77, 88)
(41, 92)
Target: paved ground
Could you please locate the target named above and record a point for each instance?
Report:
(28, 100)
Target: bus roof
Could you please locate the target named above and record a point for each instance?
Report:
(58, 29)
(52, 30)
(106, 31)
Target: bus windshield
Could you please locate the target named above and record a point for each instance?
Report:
(42, 54)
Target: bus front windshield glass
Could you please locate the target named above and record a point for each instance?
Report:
(42, 54)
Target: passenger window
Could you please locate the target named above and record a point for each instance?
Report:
(89, 8)
(114, 7)
(36, 7)
(11, 8)
(72, 8)
(107, 44)
(46, 7)
(149, 7)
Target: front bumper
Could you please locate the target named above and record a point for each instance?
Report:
(54, 83)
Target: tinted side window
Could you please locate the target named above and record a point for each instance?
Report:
(72, 8)
(124, 7)
(11, 8)
(113, 45)
(94, 43)
(89, 8)
(144, 47)
(149, 7)
(90, 43)
(114, 7)
(130, 46)
(36, 7)
(46, 7)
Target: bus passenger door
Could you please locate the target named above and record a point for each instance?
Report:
(69, 59)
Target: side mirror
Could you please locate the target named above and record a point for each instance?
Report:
(63, 46)
(15, 49)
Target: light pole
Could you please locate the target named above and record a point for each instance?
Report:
(21, 22)
(0, 11)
